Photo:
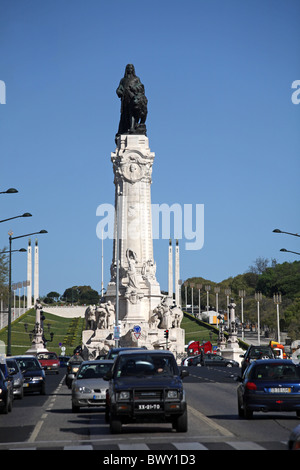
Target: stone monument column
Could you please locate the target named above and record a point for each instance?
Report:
(139, 289)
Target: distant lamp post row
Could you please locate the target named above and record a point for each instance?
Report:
(9, 282)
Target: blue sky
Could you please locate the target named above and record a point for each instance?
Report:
(225, 133)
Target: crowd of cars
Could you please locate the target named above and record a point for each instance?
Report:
(266, 383)
(24, 373)
(135, 384)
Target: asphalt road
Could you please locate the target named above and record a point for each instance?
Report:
(47, 422)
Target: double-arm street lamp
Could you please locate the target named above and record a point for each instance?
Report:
(9, 284)
(277, 230)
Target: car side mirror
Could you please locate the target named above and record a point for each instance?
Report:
(108, 375)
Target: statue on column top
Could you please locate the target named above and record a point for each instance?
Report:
(133, 103)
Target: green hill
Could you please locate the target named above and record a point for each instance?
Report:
(67, 331)
(283, 278)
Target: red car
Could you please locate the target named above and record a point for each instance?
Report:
(49, 361)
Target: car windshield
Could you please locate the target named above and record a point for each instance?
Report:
(93, 371)
(271, 371)
(47, 356)
(257, 353)
(146, 364)
(28, 363)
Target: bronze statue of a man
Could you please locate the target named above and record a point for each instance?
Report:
(133, 103)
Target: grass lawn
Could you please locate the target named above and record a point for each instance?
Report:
(67, 331)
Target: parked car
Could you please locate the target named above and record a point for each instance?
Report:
(294, 439)
(89, 387)
(17, 377)
(272, 385)
(256, 352)
(146, 386)
(6, 394)
(212, 360)
(33, 373)
(49, 361)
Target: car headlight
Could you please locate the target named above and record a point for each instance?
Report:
(124, 395)
(83, 390)
(172, 394)
(38, 378)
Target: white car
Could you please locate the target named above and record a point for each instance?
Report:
(184, 361)
(89, 388)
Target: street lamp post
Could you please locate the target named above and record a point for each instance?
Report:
(217, 291)
(277, 301)
(116, 329)
(288, 251)
(199, 287)
(192, 284)
(26, 214)
(207, 288)
(277, 230)
(242, 294)
(9, 191)
(227, 293)
(9, 285)
(258, 298)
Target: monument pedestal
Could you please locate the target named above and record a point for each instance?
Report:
(232, 349)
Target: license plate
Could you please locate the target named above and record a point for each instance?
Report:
(150, 406)
(99, 397)
(280, 390)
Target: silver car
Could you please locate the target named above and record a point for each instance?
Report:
(89, 388)
(18, 379)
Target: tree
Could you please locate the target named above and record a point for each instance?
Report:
(259, 266)
(81, 294)
(53, 295)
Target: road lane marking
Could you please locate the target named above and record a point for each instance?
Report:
(245, 445)
(39, 424)
(210, 422)
(36, 431)
(189, 446)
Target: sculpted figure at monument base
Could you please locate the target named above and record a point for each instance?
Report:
(149, 334)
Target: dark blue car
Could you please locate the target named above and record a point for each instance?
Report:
(33, 373)
(269, 385)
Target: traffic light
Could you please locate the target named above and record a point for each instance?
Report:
(166, 334)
